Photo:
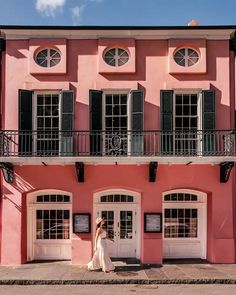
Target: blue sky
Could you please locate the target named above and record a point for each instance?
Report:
(117, 12)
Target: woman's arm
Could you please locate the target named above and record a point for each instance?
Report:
(107, 238)
(96, 238)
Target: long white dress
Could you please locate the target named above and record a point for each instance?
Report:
(101, 259)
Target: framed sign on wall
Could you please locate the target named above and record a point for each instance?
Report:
(81, 223)
(153, 222)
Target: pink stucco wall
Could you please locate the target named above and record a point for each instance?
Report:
(151, 75)
(203, 178)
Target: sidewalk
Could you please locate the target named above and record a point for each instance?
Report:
(57, 273)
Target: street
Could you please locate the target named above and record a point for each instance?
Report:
(119, 289)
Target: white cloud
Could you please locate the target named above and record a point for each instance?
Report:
(77, 13)
(49, 7)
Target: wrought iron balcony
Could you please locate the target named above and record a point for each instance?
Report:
(151, 143)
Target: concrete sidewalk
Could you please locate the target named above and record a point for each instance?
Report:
(56, 273)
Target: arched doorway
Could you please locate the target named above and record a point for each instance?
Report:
(121, 210)
(185, 224)
(49, 226)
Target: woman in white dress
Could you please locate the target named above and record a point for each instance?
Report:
(101, 259)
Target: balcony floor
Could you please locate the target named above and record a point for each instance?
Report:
(128, 160)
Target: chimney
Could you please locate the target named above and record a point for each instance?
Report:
(193, 23)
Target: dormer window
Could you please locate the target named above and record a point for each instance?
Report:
(48, 58)
(186, 57)
(116, 57)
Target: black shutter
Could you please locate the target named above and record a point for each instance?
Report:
(208, 121)
(137, 122)
(166, 106)
(95, 108)
(25, 122)
(67, 122)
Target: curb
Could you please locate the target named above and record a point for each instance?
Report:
(119, 282)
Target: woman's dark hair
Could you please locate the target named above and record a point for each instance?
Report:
(98, 225)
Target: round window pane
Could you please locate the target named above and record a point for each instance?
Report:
(186, 57)
(116, 57)
(48, 58)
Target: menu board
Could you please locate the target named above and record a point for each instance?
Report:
(152, 222)
(81, 223)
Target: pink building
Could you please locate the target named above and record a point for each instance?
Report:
(135, 124)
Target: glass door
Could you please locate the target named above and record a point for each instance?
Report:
(47, 124)
(120, 226)
(126, 232)
(186, 123)
(116, 124)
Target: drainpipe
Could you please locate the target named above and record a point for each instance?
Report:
(2, 49)
(233, 48)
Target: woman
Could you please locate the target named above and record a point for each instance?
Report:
(101, 257)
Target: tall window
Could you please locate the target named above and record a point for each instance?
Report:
(186, 123)
(47, 124)
(116, 123)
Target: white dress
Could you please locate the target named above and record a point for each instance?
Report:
(101, 259)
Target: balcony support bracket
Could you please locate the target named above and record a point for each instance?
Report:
(225, 170)
(80, 171)
(152, 171)
(7, 171)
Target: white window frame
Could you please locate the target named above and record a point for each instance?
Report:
(201, 204)
(199, 113)
(48, 57)
(185, 61)
(33, 205)
(116, 56)
(34, 123)
(118, 92)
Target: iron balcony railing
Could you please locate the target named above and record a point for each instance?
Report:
(117, 143)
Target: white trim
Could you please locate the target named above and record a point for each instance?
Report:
(202, 217)
(158, 34)
(31, 203)
(136, 204)
(211, 160)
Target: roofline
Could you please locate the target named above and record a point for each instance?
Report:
(118, 28)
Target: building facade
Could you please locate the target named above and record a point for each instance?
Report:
(134, 124)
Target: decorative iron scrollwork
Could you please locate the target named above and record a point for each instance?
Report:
(116, 144)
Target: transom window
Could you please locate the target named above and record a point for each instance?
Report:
(116, 57)
(53, 199)
(117, 199)
(52, 224)
(47, 121)
(48, 58)
(181, 222)
(186, 57)
(180, 197)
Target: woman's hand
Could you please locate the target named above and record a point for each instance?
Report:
(95, 249)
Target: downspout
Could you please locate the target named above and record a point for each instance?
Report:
(233, 79)
(2, 49)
